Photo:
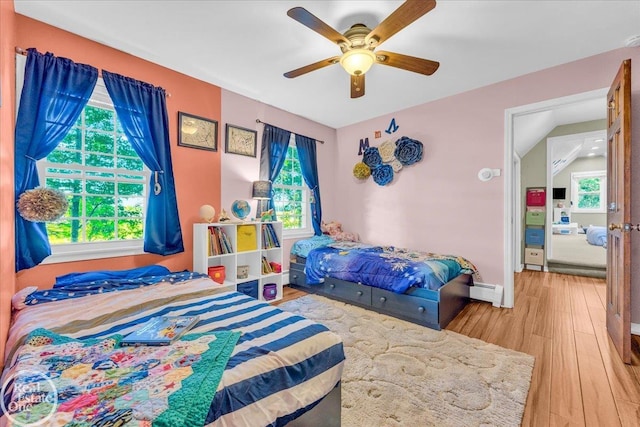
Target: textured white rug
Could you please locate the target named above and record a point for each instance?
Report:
(401, 374)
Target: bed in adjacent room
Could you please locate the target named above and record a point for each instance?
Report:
(244, 363)
(579, 254)
(425, 288)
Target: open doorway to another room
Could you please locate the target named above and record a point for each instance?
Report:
(576, 234)
(526, 131)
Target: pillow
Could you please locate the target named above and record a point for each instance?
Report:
(303, 247)
(92, 276)
(17, 301)
(597, 235)
(345, 244)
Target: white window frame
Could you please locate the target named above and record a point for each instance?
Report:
(307, 230)
(91, 250)
(577, 176)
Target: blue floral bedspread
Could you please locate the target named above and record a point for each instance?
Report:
(388, 268)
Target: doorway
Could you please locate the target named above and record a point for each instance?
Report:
(576, 221)
(525, 126)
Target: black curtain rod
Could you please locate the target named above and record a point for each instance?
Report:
(23, 52)
(317, 140)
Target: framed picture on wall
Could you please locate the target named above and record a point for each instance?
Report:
(240, 141)
(197, 132)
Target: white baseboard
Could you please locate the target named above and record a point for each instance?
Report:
(635, 328)
(285, 278)
(487, 292)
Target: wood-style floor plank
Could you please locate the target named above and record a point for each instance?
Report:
(543, 325)
(599, 406)
(578, 378)
(538, 406)
(566, 395)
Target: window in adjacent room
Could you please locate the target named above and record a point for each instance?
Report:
(589, 192)
(291, 196)
(106, 184)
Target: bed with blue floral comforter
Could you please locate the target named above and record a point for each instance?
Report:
(388, 268)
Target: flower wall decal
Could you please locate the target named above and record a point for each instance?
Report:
(387, 150)
(383, 174)
(408, 151)
(361, 171)
(371, 157)
(383, 162)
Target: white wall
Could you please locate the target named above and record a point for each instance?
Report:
(439, 204)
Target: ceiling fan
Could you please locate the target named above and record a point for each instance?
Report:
(358, 44)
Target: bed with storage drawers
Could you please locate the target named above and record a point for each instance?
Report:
(424, 288)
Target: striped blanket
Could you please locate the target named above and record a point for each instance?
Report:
(281, 366)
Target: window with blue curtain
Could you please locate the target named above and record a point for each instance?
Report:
(289, 161)
(54, 93)
(107, 204)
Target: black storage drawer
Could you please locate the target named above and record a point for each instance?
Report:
(249, 288)
(404, 305)
(347, 291)
(297, 276)
(296, 266)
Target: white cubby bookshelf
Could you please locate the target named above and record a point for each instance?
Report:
(203, 255)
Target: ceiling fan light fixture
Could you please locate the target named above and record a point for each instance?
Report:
(357, 61)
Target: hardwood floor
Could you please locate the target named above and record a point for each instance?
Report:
(578, 378)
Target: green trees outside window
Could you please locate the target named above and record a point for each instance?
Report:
(290, 198)
(104, 180)
(589, 193)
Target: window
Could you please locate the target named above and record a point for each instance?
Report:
(106, 184)
(291, 196)
(589, 191)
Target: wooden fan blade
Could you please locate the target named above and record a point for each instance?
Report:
(357, 86)
(406, 62)
(408, 12)
(309, 20)
(312, 67)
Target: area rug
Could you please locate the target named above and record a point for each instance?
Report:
(401, 374)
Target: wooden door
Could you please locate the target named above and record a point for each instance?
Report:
(618, 211)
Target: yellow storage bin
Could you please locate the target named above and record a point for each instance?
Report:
(247, 239)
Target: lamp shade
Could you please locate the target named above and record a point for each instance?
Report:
(357, 61)
(261, 190)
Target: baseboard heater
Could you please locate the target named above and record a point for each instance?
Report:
(487, 292)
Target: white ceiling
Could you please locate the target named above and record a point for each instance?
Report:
(246, 46)
(529, 129)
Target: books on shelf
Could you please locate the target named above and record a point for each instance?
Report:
(269, 237)
(219, 242)
(266, 266)
(160, 330)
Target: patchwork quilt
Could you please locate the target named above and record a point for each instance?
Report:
(281, 366)
(78, 382)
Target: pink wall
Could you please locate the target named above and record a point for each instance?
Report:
(7, 82)
(439, 204)
(197, 172)
(238, 172)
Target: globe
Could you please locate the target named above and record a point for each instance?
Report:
(240, 209)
